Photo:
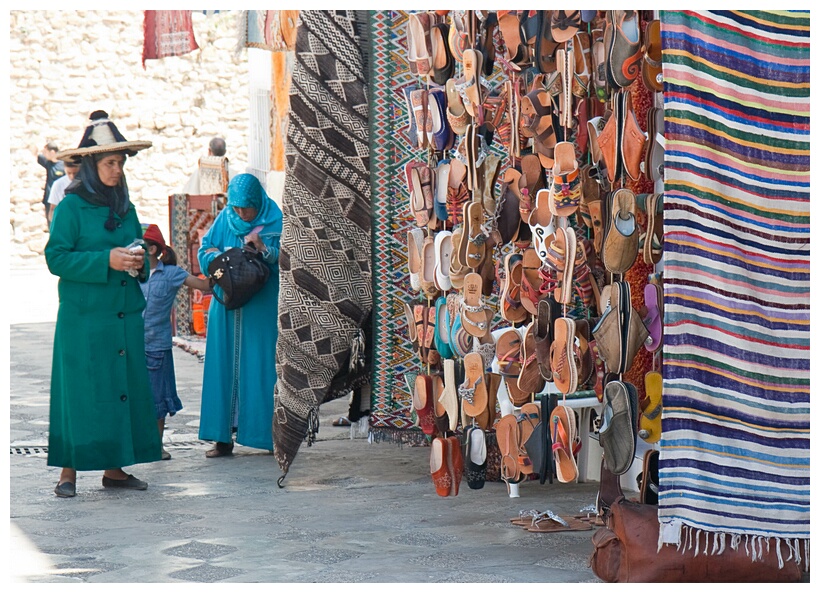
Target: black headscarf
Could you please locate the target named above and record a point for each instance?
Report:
(87, 185)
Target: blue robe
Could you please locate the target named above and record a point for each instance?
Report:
(240, 352)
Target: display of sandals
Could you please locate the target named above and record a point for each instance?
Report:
(522, 219)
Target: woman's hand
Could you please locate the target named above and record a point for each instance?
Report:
(122, 260)
(254, 239)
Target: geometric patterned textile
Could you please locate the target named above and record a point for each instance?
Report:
(167, 33)
(325, 299)
(734, 461)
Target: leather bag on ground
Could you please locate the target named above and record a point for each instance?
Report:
(626, 550)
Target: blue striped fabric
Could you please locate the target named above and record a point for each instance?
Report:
(734, 457)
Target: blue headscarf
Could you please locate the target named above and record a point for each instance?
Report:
(245, 191)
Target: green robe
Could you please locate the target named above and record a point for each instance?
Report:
(102, 410)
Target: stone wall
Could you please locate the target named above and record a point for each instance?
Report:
(65, 64)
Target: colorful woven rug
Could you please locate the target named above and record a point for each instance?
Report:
(734, 459)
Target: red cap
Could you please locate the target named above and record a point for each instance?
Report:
(153, 234)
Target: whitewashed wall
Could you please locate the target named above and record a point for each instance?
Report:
(65, 64)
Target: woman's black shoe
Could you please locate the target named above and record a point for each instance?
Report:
(65, 490)
(129, 483)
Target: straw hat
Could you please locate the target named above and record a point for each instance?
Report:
(102, 135)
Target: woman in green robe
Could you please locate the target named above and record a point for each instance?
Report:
(102, 410)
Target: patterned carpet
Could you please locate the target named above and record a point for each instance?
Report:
(735, 447)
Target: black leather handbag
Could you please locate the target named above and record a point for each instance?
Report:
(240, 273)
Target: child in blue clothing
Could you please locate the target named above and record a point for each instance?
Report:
(160, 291)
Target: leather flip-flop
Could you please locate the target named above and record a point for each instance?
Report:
(650, 422)
(506, 434)
(509, 23)
(474, 313)
(473, 392)
(511, 308)
(536, 121)
(561, 258)
(652, 67)
(530, 280)
(508, 353)
(486, 418)
(476, 238)
(654, 319)
(653, 163)
(545, 44)
(562, 356)
(530, 379)
(649, 483)
(562, 427)
(548, 310)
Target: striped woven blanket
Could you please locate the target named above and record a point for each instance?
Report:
(734, 459)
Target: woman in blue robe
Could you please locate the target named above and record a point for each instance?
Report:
(240, 352)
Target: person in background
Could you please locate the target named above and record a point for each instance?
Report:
(201, 181)
(57, 193)
(165, 279)
(240, 347)
(101, 414)
(54, 170)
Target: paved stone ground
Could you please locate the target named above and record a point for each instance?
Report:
(350, 512)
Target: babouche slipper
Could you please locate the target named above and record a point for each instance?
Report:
(129, 483)
(65, 490)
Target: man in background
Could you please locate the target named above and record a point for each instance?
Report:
(213, 173)
(54, 170)
(57, 193)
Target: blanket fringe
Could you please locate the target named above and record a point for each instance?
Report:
(398, 436)
(689, 539)
(313, 426)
